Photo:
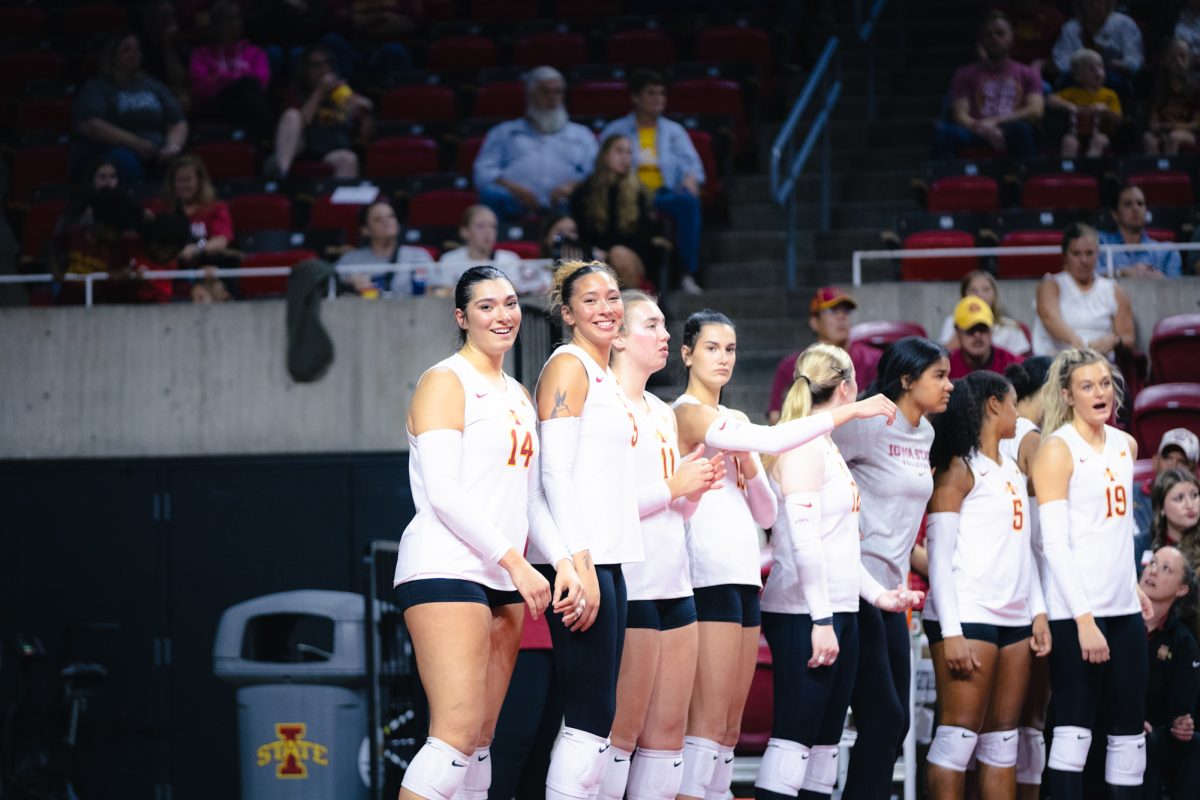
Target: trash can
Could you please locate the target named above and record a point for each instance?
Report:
(299, 662)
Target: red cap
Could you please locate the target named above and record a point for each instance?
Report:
(830, 297)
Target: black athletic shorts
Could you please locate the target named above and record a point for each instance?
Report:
(729, 602)
(1000, 635)
(452, 590)
(661, 615)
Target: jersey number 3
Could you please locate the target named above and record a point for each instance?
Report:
(1115, 496)
(526, 448)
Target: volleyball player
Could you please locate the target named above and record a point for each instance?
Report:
(810, 602)
(723, 543)
(985, 592)
(659, 660)
(1083, 474)
(589, 433)
(471, 433)
(890, 463)
(1027, 379)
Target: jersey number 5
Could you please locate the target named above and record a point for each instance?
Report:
(1018, 515)
(1115, 496)
(526, 448)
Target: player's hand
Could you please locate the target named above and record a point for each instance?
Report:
(534, 588)
(588, 606)
(960, 656)
(1092, 643)
(1040, 641)
(824, 645)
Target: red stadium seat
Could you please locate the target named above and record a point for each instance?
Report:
(228, 160)
(707, 96)
(260, 212)
(36, 166)
(86, 20)
(326, 215)
(1143, 470)
(640, 46)
(23, 22)
(713, 186)
(464, 157)
(465, 53)
(270, 286)
(399, 156)
(50, 115)
(881, 333)
(1061, 190)
(600, 98)
(736, 43)
(429, 102)
(1164, 187)
(937, 269)
(502, 99)
(16, 69)
(440, 207)
(557, 48)
(1027, 266)
(759, 713)
(1175, 349)
(1158, 408)
(39, 225)
(964, 193)
(523, 249)
(311, 168)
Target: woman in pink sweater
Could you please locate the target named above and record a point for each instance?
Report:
(230, 75)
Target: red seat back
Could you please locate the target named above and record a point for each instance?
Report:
(420, 102)
(964, 193)
(398, 156)
(1175, 349)
(273, 286)
(39, 226)
(1164, 187)
(45, 115)
(440, 207)
(713, 187)
(465, 53)
(329, 216)
(1061, 190)
(464, 157)
(1143, 470)
(557, 48)
(260, 212)
(600, 98)
(36, 166)
(228, 160)
(503, 99)
(1029, 266)
(937, 269)
(736, 43)
(523, 249)
(1161, 407)
(707, 96)
(641, 46)
(881, 333)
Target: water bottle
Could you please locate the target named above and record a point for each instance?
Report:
(418, 280)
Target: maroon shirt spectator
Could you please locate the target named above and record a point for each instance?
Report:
(973, 320)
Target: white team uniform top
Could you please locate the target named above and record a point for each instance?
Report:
(604, 469)
(499, 444)
(1010, 448)
(722, 537)
(1088, 313)
(784, 591)
(992, 563)
(664, 573)
(1100, 514)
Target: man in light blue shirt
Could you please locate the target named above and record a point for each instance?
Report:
(1130, 216)
(667, 164)
(532, 164)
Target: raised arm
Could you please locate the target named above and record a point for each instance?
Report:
(729, 431)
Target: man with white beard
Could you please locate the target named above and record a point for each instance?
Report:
(532, 164)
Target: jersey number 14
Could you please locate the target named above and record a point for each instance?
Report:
(526, 448)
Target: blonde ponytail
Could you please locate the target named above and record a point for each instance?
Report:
(819, 371)
(1056, 412)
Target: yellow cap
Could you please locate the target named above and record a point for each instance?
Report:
(972, 311)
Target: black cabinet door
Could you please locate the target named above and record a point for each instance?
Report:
(81, 568)
(238, 530)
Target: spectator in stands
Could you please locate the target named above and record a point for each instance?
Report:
(163, 238)
(322, 118)
(667, 165)
(532, 164)
(1007, 333)
(107, 244)
(371, 29)
(1172, 748)
(560, 239)
(994, 102)
(189, 192)
(1114, 35)
(478, 230)
(1078, 308)
(1174, 508)
(1187, 28)
(1035, 29)
(1094, 109)
(126, 115)
(613, 212)
(164, 48)
(1175, 106)
(101, 174)
(230, 75)
(973, 321)
(829, 319)
(382, 246)
(1179, 448)
(1130, 216)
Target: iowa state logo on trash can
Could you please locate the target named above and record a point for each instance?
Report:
(291, 752)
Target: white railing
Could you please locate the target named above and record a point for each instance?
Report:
(90, 279)
(1106, 253)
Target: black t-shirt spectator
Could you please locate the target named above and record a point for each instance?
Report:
(144, 107)
(1174, 675)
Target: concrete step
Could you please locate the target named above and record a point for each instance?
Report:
(843, 214)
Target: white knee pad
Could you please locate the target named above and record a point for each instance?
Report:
(722, 777)
(822, 772)
(998, 748)
(575, 763)
(1069, 749)
(952, 747)
(700, 758)
(615, 774)
(437, 771)
(1126, 760)
(783, 766)
(479, 777)
(1031, 756)
(655, 774)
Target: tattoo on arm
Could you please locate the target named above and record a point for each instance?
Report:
(560, 405)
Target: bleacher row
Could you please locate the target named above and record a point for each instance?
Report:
(995, 202)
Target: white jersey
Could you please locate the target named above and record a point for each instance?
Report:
(664, 573)
(1100, 514)
(722, 537)
(1087, 312)
(499, 444)
(1010, 448)
(604, 469)
(784, 592)
(993, 559)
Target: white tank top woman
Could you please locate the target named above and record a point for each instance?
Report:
(1087, 312)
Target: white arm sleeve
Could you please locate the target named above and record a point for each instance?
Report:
(543, 533)
(730, 433)
(803, 511)
(653, 496)
(1056, 531)
(440, 452)
(1037, 595)
(764, 506)
(560, 437)
(941, 534)
(869, 589)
